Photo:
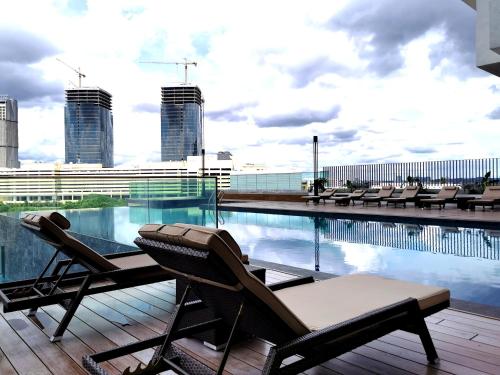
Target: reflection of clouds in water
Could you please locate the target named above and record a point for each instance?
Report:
(364, 258)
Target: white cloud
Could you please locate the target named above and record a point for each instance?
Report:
(260, 60)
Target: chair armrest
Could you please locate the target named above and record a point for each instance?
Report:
(290, 283)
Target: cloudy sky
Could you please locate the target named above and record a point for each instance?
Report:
(377, 81)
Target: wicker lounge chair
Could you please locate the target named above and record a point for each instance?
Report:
(446, 194)
(102, 272)
(408, 194)
(354, 196)
(384, 192)
(491, 196)
(316, 320)
(322, 196)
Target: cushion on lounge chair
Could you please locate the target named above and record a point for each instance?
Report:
(447, 192)
(153, 229)
(331, 301)
(133, 261)
(212, 242)
(55, 217)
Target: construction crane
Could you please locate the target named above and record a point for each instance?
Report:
(185, 63)
(79, 72)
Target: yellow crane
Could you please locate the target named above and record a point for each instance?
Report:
(77, 71)
(185, 63)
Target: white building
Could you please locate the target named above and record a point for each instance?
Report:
(66, 182)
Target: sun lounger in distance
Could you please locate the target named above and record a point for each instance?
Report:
(409, 193)
(316, 320)
(345, 200)
(322, 196)
(491, 196)
(446, 194)
(384, 192)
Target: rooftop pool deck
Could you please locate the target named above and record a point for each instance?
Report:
(450, 215)
(466, 343)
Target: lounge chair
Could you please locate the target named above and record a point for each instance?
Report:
(446, 194)
(407, 195)
(491, 196)
(345, 200)
(322, 196)
(315, 320)
(102, 272)
(384, 192)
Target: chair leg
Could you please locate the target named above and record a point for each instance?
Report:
(427, 343)
(61, 328)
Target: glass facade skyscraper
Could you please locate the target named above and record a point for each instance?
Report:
(8, 133)
(88, 123)
(181, 122)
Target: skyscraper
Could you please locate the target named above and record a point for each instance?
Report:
(181, 122)
(88, 126)
(8, 133)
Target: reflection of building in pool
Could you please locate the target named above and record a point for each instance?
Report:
(98, 223)
(188, 215)
(466, 242)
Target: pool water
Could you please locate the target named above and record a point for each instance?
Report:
(465, 260)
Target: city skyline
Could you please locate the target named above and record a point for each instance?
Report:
(332, 70)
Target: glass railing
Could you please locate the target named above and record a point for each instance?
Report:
(275, 182)
(105, 213)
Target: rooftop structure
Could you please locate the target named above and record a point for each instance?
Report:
(487, 34)
(88, 123)
(9, 143)
(181, 122)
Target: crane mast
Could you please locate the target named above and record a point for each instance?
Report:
(77, 71)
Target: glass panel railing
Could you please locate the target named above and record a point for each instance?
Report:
(275, 182)
(105, 213)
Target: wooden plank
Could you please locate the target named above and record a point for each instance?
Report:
(155, 324)
(465, 343)
(18, 353)
(155, 301)
(6, 367)
(419, 357)
(465, 351)
(140, 305)
(474, 329)
(480, 325)
(92, 337)
(51, 355)
(118, 335)
(494, 341)
(158, 293)
(396, 361)
(451, 331)
(448, 359)
(471, 316)
(332, 366)
(70, 344)
(370, 364)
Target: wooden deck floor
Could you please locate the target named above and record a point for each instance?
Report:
(466, 343)
(450, 214)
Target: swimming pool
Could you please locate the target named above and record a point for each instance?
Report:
(466, 260)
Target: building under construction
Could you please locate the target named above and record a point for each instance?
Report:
(88, 126)
(181, 122)
(9, 143)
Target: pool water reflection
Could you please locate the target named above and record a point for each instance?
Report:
(466, 260)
